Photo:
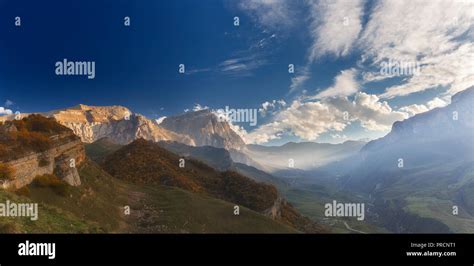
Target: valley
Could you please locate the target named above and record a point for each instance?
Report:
(187, 174)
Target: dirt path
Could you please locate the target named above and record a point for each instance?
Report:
(352, 229)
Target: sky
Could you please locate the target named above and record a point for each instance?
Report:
(359, 66)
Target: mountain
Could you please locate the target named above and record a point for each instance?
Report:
(99, 149)
(222, 160)
(435, 138)
(303, 155)
(147, 163)
(35, 166)
(205, 129)
(422, 168)
(118, 123)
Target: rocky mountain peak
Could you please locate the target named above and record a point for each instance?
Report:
(118, 123)
(205, 129)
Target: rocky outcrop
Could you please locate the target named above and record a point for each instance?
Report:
(62, 160)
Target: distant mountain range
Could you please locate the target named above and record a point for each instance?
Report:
(303, 155)
(423, 167)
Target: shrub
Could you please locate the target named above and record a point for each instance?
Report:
(39, 123)
(6, 172)
(3, 150)
(53, 182)
(34, 140)
(24, 191)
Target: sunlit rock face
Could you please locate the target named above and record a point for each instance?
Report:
(118, 123)
(204, 128)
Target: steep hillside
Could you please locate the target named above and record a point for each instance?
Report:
(99, 149)
(144, 162)
(423, 167)
(97, 206)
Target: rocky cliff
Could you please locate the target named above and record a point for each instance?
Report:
(205, 129)
(62, 159)
(118, 123)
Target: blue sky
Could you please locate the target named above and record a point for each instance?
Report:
(337, 47)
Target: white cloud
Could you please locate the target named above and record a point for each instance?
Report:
(241, 66)
(345, 84)
(271, 14)
(308, 120)
(197, 70)
(9, 103)
(4, 111)
(339, 136)
(300, 78)
(421, 108)
(271, 107)
(198, 107)
(160, 120)
(437, 34)
(335, 26)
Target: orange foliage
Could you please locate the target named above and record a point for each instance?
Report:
(6, 172)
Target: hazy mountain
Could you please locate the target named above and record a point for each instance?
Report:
(304, 155)
(205, 129)
(222, 160)
(432, 139)
(424, 166)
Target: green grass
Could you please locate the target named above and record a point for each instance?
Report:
(173, 210)
(50, 219)
(100, 149)
(442, 210)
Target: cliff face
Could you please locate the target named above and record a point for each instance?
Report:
(205, 129)
(62, 160)
(117, 123)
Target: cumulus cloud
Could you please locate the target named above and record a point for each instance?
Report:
(309, 119)
(345, 84)
(197, 107)
(335, 26)
(271, 107)
(4, 111)
(421, 108)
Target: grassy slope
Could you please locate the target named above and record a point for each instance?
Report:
(101, 148)
(97, 206)
(146, 163)
(50, 219)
